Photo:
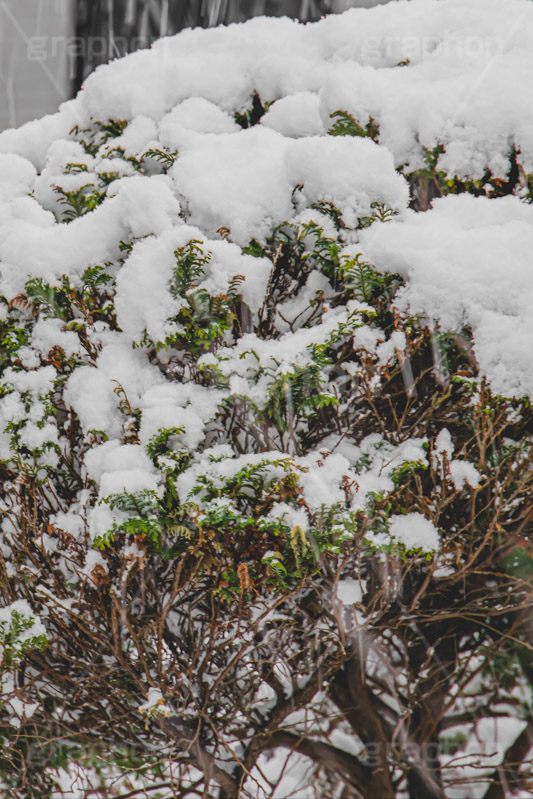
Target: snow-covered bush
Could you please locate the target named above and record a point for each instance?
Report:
(265, 430)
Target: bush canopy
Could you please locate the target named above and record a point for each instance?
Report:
(265, 420)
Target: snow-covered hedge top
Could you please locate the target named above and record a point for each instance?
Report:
(443, 78)
(466, 85)
(189, 235)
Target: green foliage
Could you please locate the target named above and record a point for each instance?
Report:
(299, 545)
(14, 334)
(143, 520)
(203, 318)
(297, 467)
(166, 159)
(361, 278)
(17, 640)
(191, 263)
(331, 210)
(159, 446)
(77, 306)
(453, 744)
(503, 669)
(92, 138)
(346, 125)
(351, 276)
(402, 474)
(80, 202)
(251, 484)
(112, 129)
(252, 116)
(294, 395)
(380, 213)
(50, 301)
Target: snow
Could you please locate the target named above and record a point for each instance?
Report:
(280, 355)
(93, 559)
(90, 390)
(321, 483)
(290, 516)
(195, 114)
(483, 752)
(22, 607)
(295, 116)
(465, 87)
(33, 139)
(414, 531)
(384, 458)
(184, 406)
(464, 472)
(460, 472)
(49, 333)
(146, 205)
(12, 409)
(444, 444)
(456, 89)
(155, 703)
(218, 465)
(22, 710)
(235, 180)
(69, 522)
(35, 437)
(245, 181)
(138, 135)
(119, 468)
(468, 263)
(38, 381)
(128, 481)
(141, 206)
(349, 591)
(102, 519)
(144, 301)
(17, 176)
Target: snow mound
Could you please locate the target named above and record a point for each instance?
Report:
(456, 72)
(468, 262)
(135, 227)
(425, 74)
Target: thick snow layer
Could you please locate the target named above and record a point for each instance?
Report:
(144, 302)
(349, 591)
(414, 531)
(296, 115)
(195, 114)
(464, 84)
(184, 407)
(40, 247)
(17, 176)
(428, 71)
(245, 181)
(91, 391)
(468, 263)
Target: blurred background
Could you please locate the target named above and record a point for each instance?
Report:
(49, 47)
